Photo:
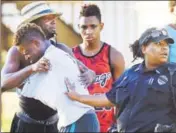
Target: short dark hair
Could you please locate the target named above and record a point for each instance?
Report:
(88, 10)
(26, 31)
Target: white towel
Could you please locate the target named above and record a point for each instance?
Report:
(49, 87)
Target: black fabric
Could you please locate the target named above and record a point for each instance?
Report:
(35, 109)
(19, 126)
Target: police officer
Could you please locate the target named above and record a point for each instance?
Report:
(145, 92)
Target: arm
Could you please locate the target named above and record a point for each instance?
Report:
(10, 77)
(11, 74)
(95, 101)
(108, 99)
(87, 76)
(117, 63)
(92, 100)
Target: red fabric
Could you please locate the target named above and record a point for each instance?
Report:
(100, 64)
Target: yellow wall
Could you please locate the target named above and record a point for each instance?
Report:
(67, 35)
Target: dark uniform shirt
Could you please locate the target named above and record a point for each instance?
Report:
(144, 98)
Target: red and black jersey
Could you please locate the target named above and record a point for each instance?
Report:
(100, 63)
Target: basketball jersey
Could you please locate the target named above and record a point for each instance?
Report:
(100, 63)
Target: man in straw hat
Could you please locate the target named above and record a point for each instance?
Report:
(19, 66)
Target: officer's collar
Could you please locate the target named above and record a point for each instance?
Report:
(160, 69)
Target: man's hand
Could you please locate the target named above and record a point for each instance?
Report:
(43, 65)
(87, 76)
(71, 90)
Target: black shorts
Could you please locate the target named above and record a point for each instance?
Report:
(20, 126)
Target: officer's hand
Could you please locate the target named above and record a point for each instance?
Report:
(87, 76)
(42, 65)
(71, 90)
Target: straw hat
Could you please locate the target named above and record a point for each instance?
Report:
(36, 10)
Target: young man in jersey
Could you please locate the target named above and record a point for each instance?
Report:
(18, 67)
(106, 61)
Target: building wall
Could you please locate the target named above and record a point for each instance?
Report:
(65, 34)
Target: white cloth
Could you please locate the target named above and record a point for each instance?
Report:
(49, 87)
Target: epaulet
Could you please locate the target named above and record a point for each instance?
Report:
(133, 69)
(171, 67)
(135, 66)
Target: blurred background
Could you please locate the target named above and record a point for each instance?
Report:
(124, 22)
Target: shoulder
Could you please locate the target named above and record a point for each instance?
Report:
(133, 69)
(58, 45)
(173, 64)
(172, 70)
(13, 52)
(63, 47)
(115, 53)
(171, 67)
(75, 48)
(116, 56)
(13, 49)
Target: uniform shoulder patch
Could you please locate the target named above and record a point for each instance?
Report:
(162, 79)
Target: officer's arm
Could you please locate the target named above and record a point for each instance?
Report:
(11, 75)
(102, 100)
(92, 100)
(117, 63)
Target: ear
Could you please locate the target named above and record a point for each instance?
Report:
(21, 49)
(143, 49)
(101, 26)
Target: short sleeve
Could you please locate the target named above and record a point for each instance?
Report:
(111, 95)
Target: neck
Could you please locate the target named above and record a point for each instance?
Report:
(92, 46)
(49, 36)
(150, 66)
(47, 44)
